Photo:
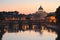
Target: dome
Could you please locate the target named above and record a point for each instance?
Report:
(40, 8)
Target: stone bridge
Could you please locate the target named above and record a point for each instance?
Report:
(15, 26)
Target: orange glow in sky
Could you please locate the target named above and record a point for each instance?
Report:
(28, 6)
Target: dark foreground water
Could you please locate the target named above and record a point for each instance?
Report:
(30, 35)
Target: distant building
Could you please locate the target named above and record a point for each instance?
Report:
(42, 14)
(11, 21)
(40, 9)
(51, 18)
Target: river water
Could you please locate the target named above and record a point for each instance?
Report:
(30, 35)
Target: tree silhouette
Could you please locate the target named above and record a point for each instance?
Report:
(58, 22)
(58, 16)
(1, 25)
(1, 16)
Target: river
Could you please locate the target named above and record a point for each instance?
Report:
(30, 35)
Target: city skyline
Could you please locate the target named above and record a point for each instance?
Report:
(28, 6)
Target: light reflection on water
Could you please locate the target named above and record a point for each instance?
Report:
(30, 35)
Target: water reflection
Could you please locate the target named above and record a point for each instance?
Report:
(29, 35)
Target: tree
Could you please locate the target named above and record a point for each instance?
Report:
(58, 22)
(1, 16)
(58, 15)
(1, 25)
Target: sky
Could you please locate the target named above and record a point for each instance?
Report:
(28, 6)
